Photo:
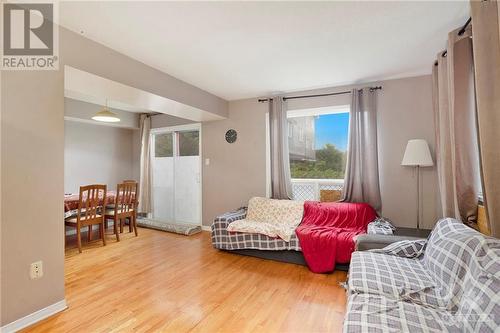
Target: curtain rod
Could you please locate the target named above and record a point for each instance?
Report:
(460, 33)
(318, 95)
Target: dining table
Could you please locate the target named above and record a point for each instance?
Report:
(71, 201)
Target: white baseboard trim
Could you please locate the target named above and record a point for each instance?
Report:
(206, 228)
(34, 317)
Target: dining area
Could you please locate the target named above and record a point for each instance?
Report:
(99, 211)
(101, 173)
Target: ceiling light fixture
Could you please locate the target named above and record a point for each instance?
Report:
(106, 116)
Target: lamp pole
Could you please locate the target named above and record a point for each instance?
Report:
(417, 154)
(418, 196)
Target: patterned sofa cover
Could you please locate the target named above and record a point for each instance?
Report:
(224, 240)
(270, 217)
(448, 283)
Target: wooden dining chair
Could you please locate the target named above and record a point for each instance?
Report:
(124, 207)
(90, 212)
(136, 199)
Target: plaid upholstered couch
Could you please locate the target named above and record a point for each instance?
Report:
(224, 240)
(447, 283)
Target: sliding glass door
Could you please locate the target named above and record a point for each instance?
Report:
(176, 173)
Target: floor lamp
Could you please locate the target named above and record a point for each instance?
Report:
(417, 154)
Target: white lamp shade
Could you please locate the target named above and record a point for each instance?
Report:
(106, 116)
(417, 153)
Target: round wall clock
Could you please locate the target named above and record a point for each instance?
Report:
(231, 136)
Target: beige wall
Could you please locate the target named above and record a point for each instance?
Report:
(32, 163)
(405, 112)
(95, 154)
(32, 148)
(237, 171)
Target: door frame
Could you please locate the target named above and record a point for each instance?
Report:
(180, 128)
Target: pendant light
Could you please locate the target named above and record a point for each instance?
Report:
(106, 116)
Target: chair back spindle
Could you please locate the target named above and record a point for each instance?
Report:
(125, 197)
(91, 202)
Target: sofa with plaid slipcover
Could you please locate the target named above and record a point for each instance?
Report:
(447, 283)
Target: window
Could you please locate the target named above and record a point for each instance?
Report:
(318, 146)
(164, 146)
(189, 143)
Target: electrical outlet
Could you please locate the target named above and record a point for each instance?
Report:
(36, 270)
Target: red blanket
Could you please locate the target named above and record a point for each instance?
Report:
(327, 231)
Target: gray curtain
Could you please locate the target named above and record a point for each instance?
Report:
(443, 136)
(361, 183)
(457, 152)
(281, 183)
(145, 166)
(486, 33)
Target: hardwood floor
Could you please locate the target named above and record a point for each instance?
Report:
(163, 282)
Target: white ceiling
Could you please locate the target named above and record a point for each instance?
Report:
(246, 49)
